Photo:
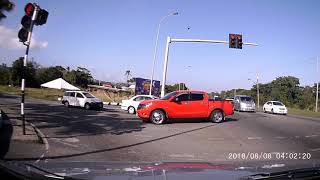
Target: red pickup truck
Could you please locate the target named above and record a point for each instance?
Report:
(184, 104)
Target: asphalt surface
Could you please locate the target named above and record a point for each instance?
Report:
(75, 134)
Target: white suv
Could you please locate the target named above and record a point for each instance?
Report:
(81, 99)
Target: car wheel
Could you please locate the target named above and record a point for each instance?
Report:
(131, 110)
(158, 117)
(87, 106)
(264, 110)
(272, 111)
(216, 116)
(66, 104)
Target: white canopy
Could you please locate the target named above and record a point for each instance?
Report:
(59, 84)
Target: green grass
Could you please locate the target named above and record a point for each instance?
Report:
(303, 113)
(38, 93)
(299, 112)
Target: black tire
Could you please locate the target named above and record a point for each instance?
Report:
(158, 117)
(272, 111)
(87, 106)
(131, 110)
(66, 104)
(264, 110)
(217, 116)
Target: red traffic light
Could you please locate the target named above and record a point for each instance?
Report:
(29, 9)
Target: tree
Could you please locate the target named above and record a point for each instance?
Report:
(30, 73)
(5, 74)
(127, 74)
(44, 75)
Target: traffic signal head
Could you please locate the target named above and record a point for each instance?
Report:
(29, 9)
(235, 41)
(239, 41)
(23, 35)
(42, 17)
(232, 41)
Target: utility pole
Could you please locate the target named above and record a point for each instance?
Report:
(258, 91)
(317, 94)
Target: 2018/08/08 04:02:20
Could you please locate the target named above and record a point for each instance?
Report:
(269, 156)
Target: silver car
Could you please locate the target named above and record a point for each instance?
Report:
(81, 99)
(244, 103)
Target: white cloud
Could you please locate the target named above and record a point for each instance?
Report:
(9, 40)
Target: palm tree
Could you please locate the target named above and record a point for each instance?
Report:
(127, 74)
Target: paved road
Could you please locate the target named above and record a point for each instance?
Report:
(113, 135)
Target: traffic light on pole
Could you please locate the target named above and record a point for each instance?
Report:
(235, 41)
(232, 41)
(26, 22)
(42, 17)
(239, 41)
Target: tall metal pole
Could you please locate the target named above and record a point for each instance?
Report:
(258, 99)
(165, 67)
(317, 95)
(155, 50)
(169, 40)
(34, 16)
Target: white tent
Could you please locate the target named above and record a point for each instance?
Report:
(59, 84)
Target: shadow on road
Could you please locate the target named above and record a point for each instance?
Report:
(116, 148)
(5, 138)
(228, 119)
(71, 122)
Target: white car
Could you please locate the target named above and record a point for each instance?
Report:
(131, 105)
(81, 99)
(275, 107)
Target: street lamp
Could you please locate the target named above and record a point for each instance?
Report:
(257, 84)
(155, 48)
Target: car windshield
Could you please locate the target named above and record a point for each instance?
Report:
(88, 95)
(78, 80)
(278, 104)
(246, 98)
(169, 95)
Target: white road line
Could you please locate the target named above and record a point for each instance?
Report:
(254, 138)
(280, 137)
(144, 136)
(314, 135)
(181, 155)
(215, 139)
(65, 143)
(45, 141)
(317, 149)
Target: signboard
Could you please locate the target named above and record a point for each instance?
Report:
(143, 87)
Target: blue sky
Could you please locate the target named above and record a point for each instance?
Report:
(110, 36)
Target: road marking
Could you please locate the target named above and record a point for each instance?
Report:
(71, 140)
(215, 139)
(65, 143)
(280, 137)
(145, 136)
(317, 149)
(181, 155)
(254, 138)
(314, 135)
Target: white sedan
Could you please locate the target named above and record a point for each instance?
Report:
(275, 107)
(131, 104)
